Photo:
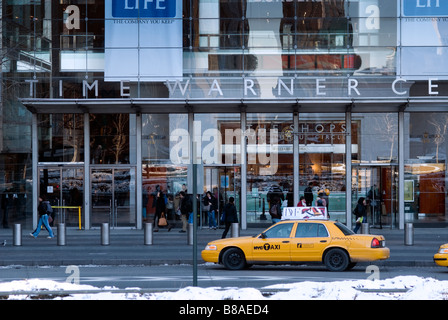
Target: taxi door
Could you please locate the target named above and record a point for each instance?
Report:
(273, 244)
(309, 241)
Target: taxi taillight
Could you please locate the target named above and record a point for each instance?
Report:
(375, 243)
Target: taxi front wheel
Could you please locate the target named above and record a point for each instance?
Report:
(234, 259)
(336, 260)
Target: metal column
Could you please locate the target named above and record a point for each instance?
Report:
(35, 152)
(348, 167)
(296, 159)
(400, 171)
(86, 171)
(243, 193)
(138, 172)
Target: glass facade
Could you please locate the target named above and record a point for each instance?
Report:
(102, 100)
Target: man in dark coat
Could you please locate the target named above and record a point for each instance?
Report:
(308, 193)
(229, 216)
(186, 209)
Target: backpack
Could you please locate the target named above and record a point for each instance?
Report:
(49, 209)
(355, 211)
(273, 211)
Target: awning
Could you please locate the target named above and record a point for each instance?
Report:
(166, 105)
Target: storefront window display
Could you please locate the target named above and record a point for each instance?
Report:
(375, 166)
(61, 137)
(162, 167)
(426, 150)
(269, 163)
(218, 139)
(322, 159)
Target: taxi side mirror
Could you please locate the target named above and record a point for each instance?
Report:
(263, 235)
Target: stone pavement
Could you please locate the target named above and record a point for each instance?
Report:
(83, 247)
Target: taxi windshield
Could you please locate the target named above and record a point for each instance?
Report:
(346, 231)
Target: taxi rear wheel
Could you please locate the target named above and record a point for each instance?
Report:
(336, 260)
(234, 259)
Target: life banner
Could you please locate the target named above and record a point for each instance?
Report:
(311, 213)
(143, 40)
(424, 39)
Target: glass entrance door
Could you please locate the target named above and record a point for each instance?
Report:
(223, 182)
(378, 184)
(113, 197)
(64, 188)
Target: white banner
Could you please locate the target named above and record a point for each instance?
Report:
(312, 213)
(424, 39)
(143, 40)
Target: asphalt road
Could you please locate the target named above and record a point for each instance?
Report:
(172, 277)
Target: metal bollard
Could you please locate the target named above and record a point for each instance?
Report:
(105, 236)
(235, 230)
(409, 234)
(148, 233)
(364, 228)
(17, 235)
(61, 234)
(190, 234)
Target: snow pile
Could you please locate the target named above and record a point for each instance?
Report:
(398, 288)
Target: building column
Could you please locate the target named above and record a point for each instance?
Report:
(348, 167)
(243, 193)
(138, 173)
(400, 171)
(296, 159)
(35, 157)
(86, 171)
(190, 153)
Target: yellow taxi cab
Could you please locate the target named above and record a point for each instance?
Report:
(441, 257)
(298, 239)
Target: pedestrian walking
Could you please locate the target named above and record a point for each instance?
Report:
(160, 205)
(186, 209)
(43, 210)
(229, 216)
(211, 201)
(360, 213)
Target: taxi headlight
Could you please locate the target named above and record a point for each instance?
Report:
(443, 250)
(211, 247)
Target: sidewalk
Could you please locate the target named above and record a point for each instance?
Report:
(83, 247)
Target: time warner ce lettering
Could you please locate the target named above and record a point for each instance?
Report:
(143, 8)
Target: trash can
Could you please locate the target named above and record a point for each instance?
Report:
(409, 234)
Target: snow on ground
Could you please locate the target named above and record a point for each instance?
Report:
(408, 287)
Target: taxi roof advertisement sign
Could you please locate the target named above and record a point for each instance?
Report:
(298, 213)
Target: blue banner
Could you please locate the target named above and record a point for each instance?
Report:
(425, 8)
(143, 8)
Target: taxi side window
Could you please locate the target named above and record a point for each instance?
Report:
(311, 230)
(279, 231)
